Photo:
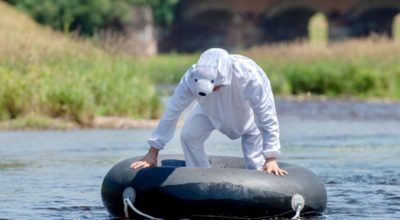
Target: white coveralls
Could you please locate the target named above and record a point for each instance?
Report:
(244, 107)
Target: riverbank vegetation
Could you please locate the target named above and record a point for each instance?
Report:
(90, 16)
(47, 74)
(49, 79)
(367, 68)
(363, 68)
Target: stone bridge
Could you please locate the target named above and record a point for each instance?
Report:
(243, 23)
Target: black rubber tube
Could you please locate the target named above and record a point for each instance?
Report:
(174, 191)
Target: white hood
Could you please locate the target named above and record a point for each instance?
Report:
(213, 68)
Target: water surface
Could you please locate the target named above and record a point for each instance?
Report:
(353, 147)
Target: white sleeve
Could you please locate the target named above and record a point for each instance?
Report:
(259, 94)
(181, 98)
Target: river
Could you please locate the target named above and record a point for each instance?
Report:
(354, 147)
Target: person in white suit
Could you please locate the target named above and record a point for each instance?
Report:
(234, 96)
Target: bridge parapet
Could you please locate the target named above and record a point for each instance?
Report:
(243, 23)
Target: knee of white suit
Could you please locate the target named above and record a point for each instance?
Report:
(189, 137)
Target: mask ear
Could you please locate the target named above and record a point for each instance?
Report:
(195, 74)
(192, 71)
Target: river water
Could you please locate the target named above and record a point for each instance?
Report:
(353, 147)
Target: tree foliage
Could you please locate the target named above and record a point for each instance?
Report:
(163, 10)
(89, 16)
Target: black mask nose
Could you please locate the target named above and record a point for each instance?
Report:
(202, 94)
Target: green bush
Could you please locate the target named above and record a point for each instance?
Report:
(71, 101)
(331, 76)
(11, 96)
(167, 68)
(17, 95)
(119, 89)
(89, 16)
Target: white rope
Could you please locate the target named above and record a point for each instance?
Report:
(127, 202)
(297, 204)
(126, 208)
(298, 210)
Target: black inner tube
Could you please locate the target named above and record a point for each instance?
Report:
(227, 190)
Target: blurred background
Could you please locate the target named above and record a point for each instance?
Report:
(68, 62)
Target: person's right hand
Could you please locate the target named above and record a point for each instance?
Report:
(149, 160)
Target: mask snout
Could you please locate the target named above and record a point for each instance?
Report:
(204, 87)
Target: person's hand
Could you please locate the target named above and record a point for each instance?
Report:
(149, 160)
(271, 166)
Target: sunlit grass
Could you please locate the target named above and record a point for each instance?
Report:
(362, 68)
(48, 78)
(45, 73)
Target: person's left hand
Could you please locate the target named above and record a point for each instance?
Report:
(271, 166)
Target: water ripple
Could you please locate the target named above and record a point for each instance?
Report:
(72, 208)
(389, 180)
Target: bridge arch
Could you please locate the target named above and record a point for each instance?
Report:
(208, 27)
(285, 5)
(369, 5)
(242, 23)
(193, 12)
(287, 21)
(374, 17)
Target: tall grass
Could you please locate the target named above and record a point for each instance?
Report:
(363, 68)
(46, 73)
(168, 68)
